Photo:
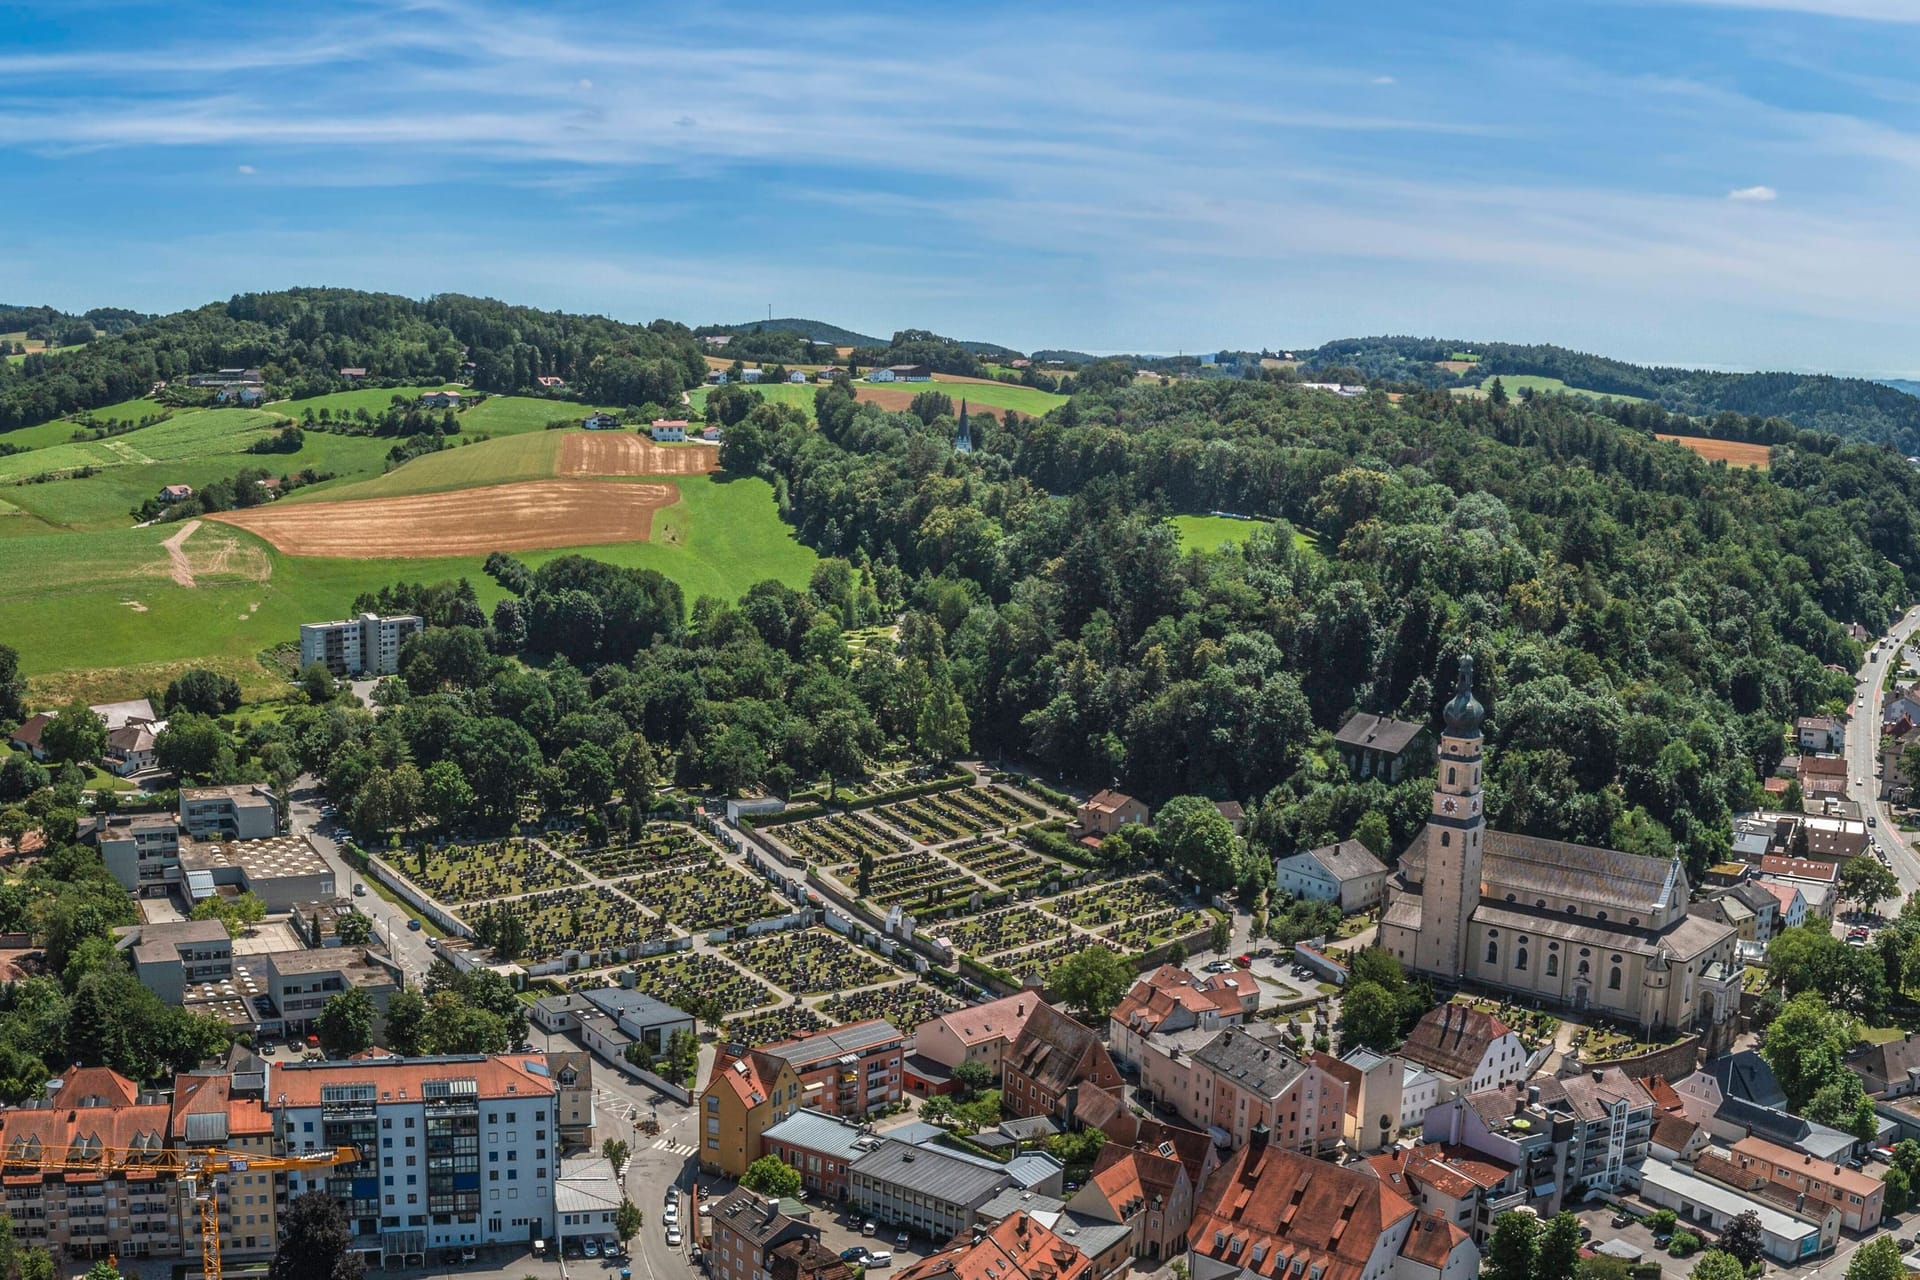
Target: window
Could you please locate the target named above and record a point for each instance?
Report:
(1493, 953)
(1553, 965)
(1613, 978)
(1520, 959)
(1449, 775)
(1445, 839)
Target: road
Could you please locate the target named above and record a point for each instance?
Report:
(410, 949)
(1863, 753)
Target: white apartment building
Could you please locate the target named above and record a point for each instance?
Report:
(366, 645)
(458, 1150)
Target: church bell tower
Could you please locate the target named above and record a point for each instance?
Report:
(1456, 831)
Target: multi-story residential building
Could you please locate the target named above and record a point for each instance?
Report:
(850, 1070)
(1468, 1045)
(227, 1109)
(1169, 1000)
(1860, 1198)
(299, 983)
(459, 1150)
(1148, 1191)
(84, 1215)
(1510, 1127)
(366, 645)
(1612, 1130)
(1266, 1213)
(746, 1094)
(746, 1228)
(169, 957)
(244, 812)
(572, 1074)
(929, 1190)
(1461, 1185)
(1375, 1094)
(1052, 1061)
(977, 1033)
(1018, 1247)
(1244, 1078)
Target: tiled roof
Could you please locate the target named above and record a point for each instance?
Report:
(503, 1075)
(1454, 1171)
(1775, 864)
(1377, 732)
(1349, 860)
(1108, 801)
(28, 734)
(1589, 1099)
(1882, 1064)
(1157, 996)
(205, 1103)
(1258, 1065)
(1851, 1181)
(1673, 1132)
(1001, 1019)
(1530, 867)
(753, 1077)
(1264, 1207)
(1453, 1039)
(1051, 1048)
(1017, 1247)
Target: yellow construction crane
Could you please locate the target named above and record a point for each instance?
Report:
(198, 1169)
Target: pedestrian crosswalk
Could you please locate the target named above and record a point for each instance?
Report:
(676, 1147)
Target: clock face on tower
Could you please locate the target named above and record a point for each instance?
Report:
(1449, 805)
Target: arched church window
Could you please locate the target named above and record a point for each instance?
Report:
(1584, 970)
(1493, 952)
(1520, 959)
(1613, 978)
(1553, 965)
(1449, 775)
(1445, 839)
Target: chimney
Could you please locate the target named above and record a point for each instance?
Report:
(1257, 1137)
(773, 1208)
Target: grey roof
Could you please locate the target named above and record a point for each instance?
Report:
(1378, 733)
(635, 1006)
(1259, 1066)
(1014, 1200)
(1746, 1075)
(1752, 844)
(915, 1133)
(586, 1185)
(1529, 866)
(1029, 1127)
(929, 1171)
(1755, 896)
(1788, 1130)
(1090, 1235)
(992, 1141)
(745, 1213)
(1034, 1168)
(1349, 860)
(1588, 1099)
(854, 1038)
(825, 1134)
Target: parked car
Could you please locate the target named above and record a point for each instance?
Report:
(853, 1257)
(1244, 961)
(880, 1259)
(673, 1234)
(413, 925)
(672, 1212)
(359, 889)
(468, 1255)
(902, 1240)
(590, 1248)
(1622, 1219)
(870, 1228)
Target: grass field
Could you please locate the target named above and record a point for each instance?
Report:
(1515, 381)
(978, 393)
(532, 456)
(1210, 533)
(1735, 453)
(105, 618)
(800, 397)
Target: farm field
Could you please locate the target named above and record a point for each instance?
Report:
(518, 517)
(1735, 453)
(103, 615)
(185, 435)
(979, 394)
(464, 466)
(624, 453)
(1515, 381)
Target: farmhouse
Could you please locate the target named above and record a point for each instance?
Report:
(902, 373)
(440, 400)
(829, 375)
(667, 430)
(601, 422)
(797, 375)
(176, 492)
(246, 393)
(27, 737)
(750, 375)
(1374, 746)
(130, 748)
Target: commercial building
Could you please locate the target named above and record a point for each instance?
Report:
(282, 872)
(366, 645)
(850, 1070)
(459, 1150)
(244, 812)
(608, 1019)
(586, 1199)
(141, 851)
(1786, 1237)
(169, 957)
(929, 1190)
(1859, 1198)
(822, 1147)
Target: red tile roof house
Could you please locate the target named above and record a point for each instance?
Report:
(1460, 1184)
(1105, 812)
(27, 736)
(1267, 1212)
(1018, 1247)
(1052, 1062)
(1466, 1044)
(1170, 999)
(1147, 1190)
(1859, 1197)
(978, 1033)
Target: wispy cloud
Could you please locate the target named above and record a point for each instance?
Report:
(1753, 193)
(1869, 10)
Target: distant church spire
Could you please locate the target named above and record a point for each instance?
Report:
(963, 441)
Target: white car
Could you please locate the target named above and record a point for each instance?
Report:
(881, 1259)
(673, 1234)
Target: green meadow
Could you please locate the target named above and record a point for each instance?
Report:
(533, 456)
(991, 396)
(1211, 533)
(105, 618)
(1515, 381)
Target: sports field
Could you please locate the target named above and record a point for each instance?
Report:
(1735, 453)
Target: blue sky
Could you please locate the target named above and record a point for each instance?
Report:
(1694, 181)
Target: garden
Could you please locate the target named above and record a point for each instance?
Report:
(593, 922)
(496, 869)
(661, 848)
(906, 1005)
(997, 931)
(806, 960)
(1006, 865)
(691, 980)
(705, 898)
(842, 837)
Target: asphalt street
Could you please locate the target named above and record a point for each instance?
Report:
(1863, 751)
(406, 946)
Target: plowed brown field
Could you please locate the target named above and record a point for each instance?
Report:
(621, 453)
(505, 517)
(892, 399)
(1735, 453)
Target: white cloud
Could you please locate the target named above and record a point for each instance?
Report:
(1757, 194)
(584, 84)
(1384, 80)
(1865, 10)
(247, 168)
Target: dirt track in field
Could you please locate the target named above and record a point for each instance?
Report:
(622, 453)
(504, 517)
(1735, 453)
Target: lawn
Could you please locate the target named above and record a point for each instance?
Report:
(97, 612)
(373, 399)
(1210, 533)
(991, 396)
(800, 396)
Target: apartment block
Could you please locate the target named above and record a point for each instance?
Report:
(850, 1070)
(245, 812)
(366, 645)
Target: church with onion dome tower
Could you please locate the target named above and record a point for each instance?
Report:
(1565, 925)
